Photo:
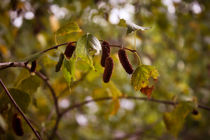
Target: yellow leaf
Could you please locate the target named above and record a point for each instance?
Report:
(115, 106)
(142, 74)
(68, 28)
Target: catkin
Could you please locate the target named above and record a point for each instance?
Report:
(60, 62)
(195, 112)
(124, 61)
(33, 66)
(17, 125)
(69, 50)
(109, 64)
(105, 52)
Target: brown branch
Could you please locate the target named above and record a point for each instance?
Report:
(128, 97)
(19, 110)
(55, 47)
(53, 133)
(119, 46)
(45, 79)
(78, 105)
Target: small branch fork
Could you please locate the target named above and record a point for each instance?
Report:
(20, 111)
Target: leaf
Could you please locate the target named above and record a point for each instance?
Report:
(60, 62)
(131, 26)
(112, 90)
(93, 44)
(24, 73)
(68, 28)
(30, 84)
(147, 91)
(115, 106)
(174, 120)
(21, 98)
(68, 70)
(87, 46)
(142, 74)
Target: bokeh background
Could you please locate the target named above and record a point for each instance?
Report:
(178, 45)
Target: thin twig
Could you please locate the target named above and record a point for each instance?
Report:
(55, 127)
(119, 46)
(54, 97)
(19, 109)
(54, 47)
(128, 97)
(78, 105)
(44, 78)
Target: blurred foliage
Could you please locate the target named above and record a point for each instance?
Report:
(177, 44)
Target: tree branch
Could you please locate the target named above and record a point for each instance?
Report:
(39, 74)
(46, 80)
(129, 98)
(19, 109)
(78, 105)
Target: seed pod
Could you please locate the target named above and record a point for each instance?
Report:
(124, 61)
(69, 50)
(60, 62)
(195, 112)
(109, 64)
(105, 52)
(33, 66)
(17, 125)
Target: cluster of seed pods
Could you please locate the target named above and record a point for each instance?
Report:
(106, 60)
(108, 64)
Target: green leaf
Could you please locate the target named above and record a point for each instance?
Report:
(87, 46)
(131, 26)
(174, 120)
(142, 74)
(68, 28)
(24, 73)
(21, 98)
(30, 84)
(68, 70)
(60, 62)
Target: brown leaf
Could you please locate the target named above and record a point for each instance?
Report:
(147, 91)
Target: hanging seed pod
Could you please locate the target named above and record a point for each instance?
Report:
(60, 62)
(105, 52)
(124, 61)
(195, 112)
(109, 64)
(17, 125)
(69, 50)
(33, 66)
